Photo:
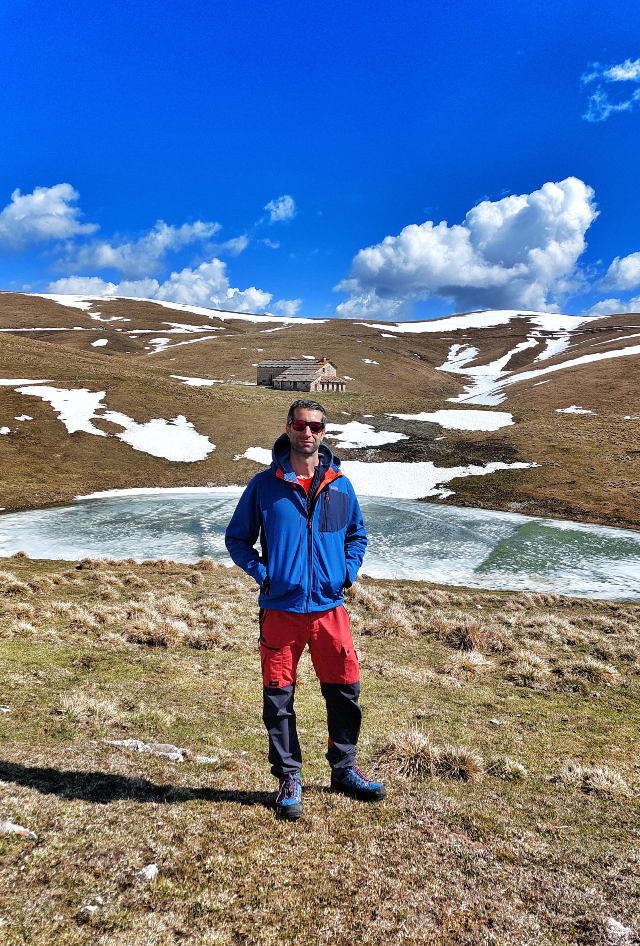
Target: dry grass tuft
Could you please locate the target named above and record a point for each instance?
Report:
(595, 671)
(11, 585)
(601, 780)
(465, 663)
(507, 769)
(413, 754)
(393, 621)
(131, 580)
(207, 564)
(471, 634)
(109, 615)
(162, 564)
(527, 669)
(461, 762)
(366, 597)
(20, 609)
(19, 555)
(195, 579)
(161, 632)
(81, 705)
(19, 628)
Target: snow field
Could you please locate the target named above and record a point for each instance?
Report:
(462, 420)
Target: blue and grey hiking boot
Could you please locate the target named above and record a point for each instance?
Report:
(355, 783)
(289, 797)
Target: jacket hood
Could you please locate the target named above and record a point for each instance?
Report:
(280, 459)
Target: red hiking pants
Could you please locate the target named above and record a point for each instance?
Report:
(284, 635)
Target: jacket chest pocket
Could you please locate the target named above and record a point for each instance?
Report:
(334, 511)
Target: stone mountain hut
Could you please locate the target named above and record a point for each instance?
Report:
(294, 374)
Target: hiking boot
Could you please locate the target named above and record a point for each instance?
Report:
(289, 797)
(355, 783)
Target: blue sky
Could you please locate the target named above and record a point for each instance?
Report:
(289, 148)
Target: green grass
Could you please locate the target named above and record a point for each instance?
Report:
(541, 851)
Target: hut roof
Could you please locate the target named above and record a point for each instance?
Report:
(301, 373)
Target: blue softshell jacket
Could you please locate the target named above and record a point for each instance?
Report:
(311, 546)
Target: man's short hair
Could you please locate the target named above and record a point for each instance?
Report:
(307, 405)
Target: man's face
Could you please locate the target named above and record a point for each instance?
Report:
(303, 442)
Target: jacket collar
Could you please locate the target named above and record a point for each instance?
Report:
(329, 463)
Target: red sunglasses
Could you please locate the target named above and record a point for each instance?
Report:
(315, 426)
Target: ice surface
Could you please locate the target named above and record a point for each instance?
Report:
(5, 430)
(100, 343)
(410, 540)
(355, 435)
(24, 417)
(574, 409)
(163, 491)
(463, 420)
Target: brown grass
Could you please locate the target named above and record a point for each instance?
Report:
(414, 754)
(540, 850)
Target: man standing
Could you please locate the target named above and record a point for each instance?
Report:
(313, 541)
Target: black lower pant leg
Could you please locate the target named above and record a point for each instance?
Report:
(280, 719)
(343, 721)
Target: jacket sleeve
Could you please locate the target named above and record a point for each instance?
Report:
(355, 541)
(242, 533)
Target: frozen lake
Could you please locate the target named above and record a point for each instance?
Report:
(407, 539)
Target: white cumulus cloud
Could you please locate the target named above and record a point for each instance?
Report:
(623, 273)
(517, 252)
(207, 285)
(140, 257)
(599, 106)
(45, 214)
(614, 306)
(288, 307)
(283, 208)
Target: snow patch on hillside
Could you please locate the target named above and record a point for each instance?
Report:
(86, 302)
(75, 407)
(492, 392)
(196, 382)
(463, 420)
(176, 440)
(398, 480)
(12, 382)
(574, 409)
(355, 435)
(488, 318)
(483, 377)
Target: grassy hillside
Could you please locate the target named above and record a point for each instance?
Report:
(505, 726)
(588, 465)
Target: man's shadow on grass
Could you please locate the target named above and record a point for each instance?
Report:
(102, 788)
